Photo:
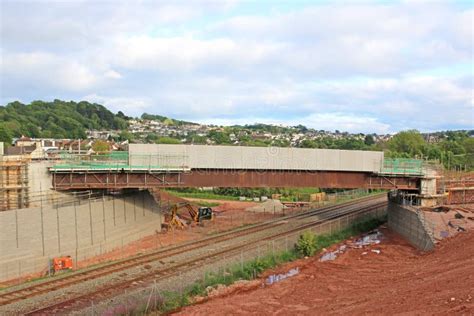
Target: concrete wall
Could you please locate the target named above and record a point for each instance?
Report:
(40, 184)
(410, 224)
(240, 157)
(29, 237)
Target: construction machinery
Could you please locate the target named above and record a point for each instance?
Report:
(202, 213)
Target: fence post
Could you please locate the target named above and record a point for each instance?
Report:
(19, 271)
(42, 224)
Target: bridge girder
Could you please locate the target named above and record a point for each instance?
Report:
(231, 178)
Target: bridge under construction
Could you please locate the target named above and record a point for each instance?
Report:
(165, 166)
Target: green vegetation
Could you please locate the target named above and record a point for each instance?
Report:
(167, 140)
(287, 194)
(207, 195)
(100, 146)
(249, 270)
(57, 119)
(455, 149)
(208, 204)
(165, 120)
(171, 301)
(306, 244)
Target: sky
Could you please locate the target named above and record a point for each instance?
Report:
(357, 66)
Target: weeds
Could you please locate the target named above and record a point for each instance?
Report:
(306, 244)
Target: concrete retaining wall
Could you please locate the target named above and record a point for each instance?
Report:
(30, 237)
(410, 224)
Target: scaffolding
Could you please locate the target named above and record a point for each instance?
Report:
(117, 161)
(13, 184)
(402, 166)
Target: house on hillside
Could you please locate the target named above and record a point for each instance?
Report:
(34, 151)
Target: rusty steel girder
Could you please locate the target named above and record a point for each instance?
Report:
(231, 178)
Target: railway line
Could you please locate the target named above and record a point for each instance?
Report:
(263, 231)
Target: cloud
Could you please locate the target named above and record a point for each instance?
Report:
(364, 66)
(112, 74)
(118, 103)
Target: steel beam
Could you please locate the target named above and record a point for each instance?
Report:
(232, 178)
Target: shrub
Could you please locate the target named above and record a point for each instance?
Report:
(306, 244)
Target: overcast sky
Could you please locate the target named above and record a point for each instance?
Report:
(371, 66)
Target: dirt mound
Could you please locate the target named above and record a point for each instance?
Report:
(268, 206)
(398, 280)
(447, 221)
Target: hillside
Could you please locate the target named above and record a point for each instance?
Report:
(57, 119)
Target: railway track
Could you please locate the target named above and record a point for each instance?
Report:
(323, 214)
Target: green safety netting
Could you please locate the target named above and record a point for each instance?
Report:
(113, 160)
(402, 166)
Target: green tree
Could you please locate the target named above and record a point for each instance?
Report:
(369, 140)
(409, 142)
(126, 135)
(219, 137)
(167, 140)
(5, 136)
(100, 146)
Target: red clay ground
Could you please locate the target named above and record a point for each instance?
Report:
(399, 280)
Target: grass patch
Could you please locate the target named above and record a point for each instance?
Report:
(171, 301)
(203, 195)
(208, 204)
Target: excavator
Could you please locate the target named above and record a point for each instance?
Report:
(202, 213)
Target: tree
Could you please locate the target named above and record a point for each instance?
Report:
(5, 136)
(167, 140)
(126, 135)
(219, 137)
(369, 140)
(408, 142)
(100, 146)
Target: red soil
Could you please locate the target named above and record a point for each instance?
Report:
(399, 280)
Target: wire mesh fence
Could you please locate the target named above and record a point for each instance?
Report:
(175, 289)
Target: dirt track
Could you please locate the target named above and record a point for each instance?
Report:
(398, 280)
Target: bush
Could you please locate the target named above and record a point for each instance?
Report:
(306, 244)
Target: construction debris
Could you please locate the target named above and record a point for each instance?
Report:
(449, 221)
(278, 277)
(372, 238)
(269, 206)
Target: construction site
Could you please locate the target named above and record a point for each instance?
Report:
(108, 234)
